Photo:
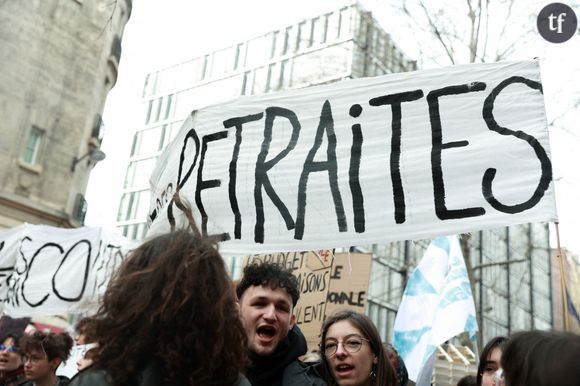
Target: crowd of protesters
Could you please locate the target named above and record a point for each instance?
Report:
(171, 315)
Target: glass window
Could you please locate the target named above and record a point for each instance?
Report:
(260, 79)
(204, 67)
(289, 39)
(134, 205)
(148, 113)
(303, 40)
(258, 51)
(319, 29)
(168, 106)
(223, 61)
(138, 173)
(344, 23)
(238, 62)
(274, 44)
(31, 150)
(158, 105)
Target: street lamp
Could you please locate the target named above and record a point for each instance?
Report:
(94, 155)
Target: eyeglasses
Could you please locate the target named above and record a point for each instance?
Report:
(351, 344)
(10, 348)
(33, 359)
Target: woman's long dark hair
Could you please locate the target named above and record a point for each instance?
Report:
(385, 374)
(542, 358)
(171, 304)
(498, 341)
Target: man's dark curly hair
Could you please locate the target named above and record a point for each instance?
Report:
(54, 345)
(270, 275)
(172, 305)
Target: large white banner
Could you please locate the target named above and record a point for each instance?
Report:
(402, 156)
(46, 270)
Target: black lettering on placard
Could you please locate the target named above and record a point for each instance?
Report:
(207, 184)
(163, 199)
(314, 281)
(395, 101)
(238, 123)
(108, 258)
(326, 124)
(263, 166)
(351, 298)
(18, 280)
(336, 271)
(87, 243)
(43, 299)
(182, 179)
(358, 207)
(437, 146)
(288, 260)
(545, 164)
(310, 313)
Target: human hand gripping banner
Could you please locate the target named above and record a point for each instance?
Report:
(373, 160)
(437, 305)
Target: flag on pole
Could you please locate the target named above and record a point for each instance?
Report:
(437, 305)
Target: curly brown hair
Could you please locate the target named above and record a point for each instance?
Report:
(52, 344)
(171, 303)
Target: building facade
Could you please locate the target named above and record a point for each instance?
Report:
(510, 266)
(341, 44)
(59, 60)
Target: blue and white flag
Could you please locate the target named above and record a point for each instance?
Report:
(437, 305)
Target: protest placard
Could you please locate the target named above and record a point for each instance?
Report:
(47, 270)
(349, 282)
(398, 157)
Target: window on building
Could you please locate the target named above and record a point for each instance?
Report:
(138, 173)
(32, 149)
(344, 24)
(274, 44)
(168, 106)
(238, 62)
(148, 113)
(134, 205)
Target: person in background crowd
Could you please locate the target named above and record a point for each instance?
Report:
(267, 294)
(85, 330)
(489, 361)
(169, 317)
(43, 353)
(542, 358)
(468, 380)
(352, 352)
(398, 365)
(87, 359)
(11, 362)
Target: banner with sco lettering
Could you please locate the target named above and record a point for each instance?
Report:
(47, 270)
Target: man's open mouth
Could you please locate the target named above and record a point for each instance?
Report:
(266, 332)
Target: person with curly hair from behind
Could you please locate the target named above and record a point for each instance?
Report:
(169, 317)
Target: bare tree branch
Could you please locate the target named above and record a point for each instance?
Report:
(437, 33)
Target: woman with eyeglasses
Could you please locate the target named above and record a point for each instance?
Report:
(43, 353)
(352, 352)
(169, 317)
(11, 364)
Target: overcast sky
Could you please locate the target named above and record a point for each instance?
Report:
(163, 33)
